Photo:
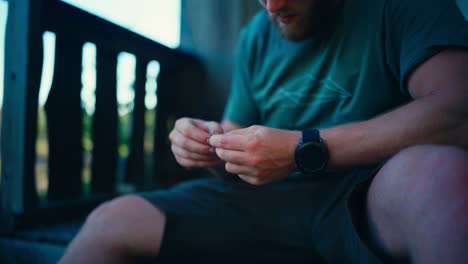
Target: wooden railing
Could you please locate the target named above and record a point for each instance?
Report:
(28, 20)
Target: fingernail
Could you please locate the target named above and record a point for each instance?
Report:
(211, 139)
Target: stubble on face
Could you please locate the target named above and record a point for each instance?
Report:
(301, 19)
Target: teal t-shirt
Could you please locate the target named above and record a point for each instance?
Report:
(357, 73)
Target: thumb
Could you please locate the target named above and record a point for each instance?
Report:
(240, 131)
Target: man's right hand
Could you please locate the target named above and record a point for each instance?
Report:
(190, 146)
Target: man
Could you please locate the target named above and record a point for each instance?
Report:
(344, 138)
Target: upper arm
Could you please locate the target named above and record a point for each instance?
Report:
(419, 37)
(444, 73)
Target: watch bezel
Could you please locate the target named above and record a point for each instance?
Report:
(299, 160)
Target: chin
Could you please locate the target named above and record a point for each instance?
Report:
(296, 32)
(294, 35)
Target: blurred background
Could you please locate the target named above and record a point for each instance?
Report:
(89, 90)
(207, 28)
(157, 20)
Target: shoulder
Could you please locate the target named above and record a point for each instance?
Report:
(253, 41)
(423, 7)
(259, 21)
(256, 31)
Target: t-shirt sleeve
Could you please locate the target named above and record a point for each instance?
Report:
(241, 108)
(415, 30)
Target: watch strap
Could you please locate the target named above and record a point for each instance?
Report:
(310, 134)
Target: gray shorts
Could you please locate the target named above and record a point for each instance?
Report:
(298, 220)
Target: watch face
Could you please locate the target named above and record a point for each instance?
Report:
(312, 157)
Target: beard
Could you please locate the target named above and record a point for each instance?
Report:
(318, 18)
(299, 30)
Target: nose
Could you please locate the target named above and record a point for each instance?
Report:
(274, 6)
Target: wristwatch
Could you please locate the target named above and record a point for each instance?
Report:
(311, 155)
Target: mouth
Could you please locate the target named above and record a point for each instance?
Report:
(287, 19)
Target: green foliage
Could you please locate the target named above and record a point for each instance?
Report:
(124, 134)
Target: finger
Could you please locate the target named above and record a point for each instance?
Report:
(214, 128)
(229, 141)
(250, 179)
(201, 124)
(188, 144)
(238, 169)
(191, 155)
(187, 163)
(233, 156)
(210, 127)
(191, 129)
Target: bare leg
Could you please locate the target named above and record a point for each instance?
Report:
(418, 205)
(118, 231)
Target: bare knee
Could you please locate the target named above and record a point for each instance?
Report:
(427, 168)
(418, 181)
(423, 172)
(127, 224)
(432, 159)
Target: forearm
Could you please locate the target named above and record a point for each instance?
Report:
(433, 119)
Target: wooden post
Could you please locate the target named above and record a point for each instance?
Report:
(64, 121)
(104, 160)
(164, 112)
(135, 165)
(23, 63)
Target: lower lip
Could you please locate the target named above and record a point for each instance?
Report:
(287, 20)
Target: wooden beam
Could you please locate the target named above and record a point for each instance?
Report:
(59, 212)
(61, 17)
(23, 62)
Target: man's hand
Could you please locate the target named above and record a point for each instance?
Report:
(259, 155)
(190, 146)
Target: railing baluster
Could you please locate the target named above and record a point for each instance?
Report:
(32, 94)
(23, 62)
(64, 122)
(135, 164)
(161, 152)
(72, 26)
(104, 161)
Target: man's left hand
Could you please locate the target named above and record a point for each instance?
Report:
(257, 154)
